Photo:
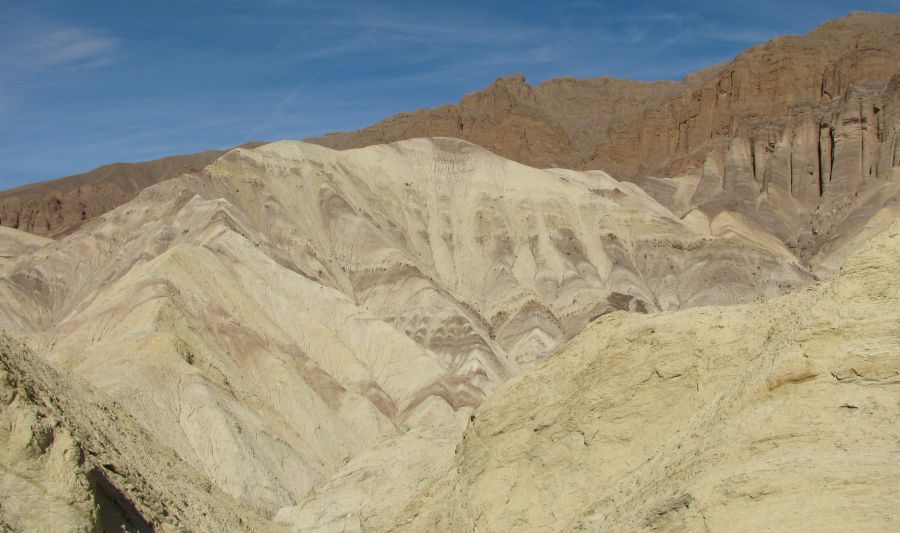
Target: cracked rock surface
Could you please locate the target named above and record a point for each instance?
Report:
(71, 460)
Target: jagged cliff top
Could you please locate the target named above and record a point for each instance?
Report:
(771, 78)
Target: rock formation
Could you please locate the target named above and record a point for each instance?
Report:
(431, 335)
(788, 136)
(633, 129)
(290, 307)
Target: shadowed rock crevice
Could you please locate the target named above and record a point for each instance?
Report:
(72, 460)
(116, 511)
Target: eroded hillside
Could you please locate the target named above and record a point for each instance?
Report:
(343, 340)
(291, 307)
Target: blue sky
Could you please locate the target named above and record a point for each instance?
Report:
(83, 83)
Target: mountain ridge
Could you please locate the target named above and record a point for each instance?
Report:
(787, 135)
(57, 206)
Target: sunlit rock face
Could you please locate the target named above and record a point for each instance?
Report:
(291, 306)
(420, 331)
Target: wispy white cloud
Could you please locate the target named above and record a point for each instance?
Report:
(31, 46)
(348, 27)
(716, 34)
(359, 41)
(70, 46)
(635, 35)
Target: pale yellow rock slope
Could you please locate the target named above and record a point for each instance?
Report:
(775, 416)
(291, 308)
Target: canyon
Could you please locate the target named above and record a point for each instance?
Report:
(657, 305)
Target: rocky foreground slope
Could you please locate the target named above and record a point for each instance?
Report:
(71, 460)
(292, 309)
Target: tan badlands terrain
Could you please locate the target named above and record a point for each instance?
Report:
(289, 307)
(425, 335)
(774, 416)
(310, 330)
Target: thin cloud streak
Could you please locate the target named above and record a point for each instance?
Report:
(37, 47)
(70, 47)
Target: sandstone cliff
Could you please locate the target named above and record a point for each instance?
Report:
(635, 128)
(788, 135)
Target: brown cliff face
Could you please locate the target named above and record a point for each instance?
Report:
(763, 84)
(801, 176)
(52, 207)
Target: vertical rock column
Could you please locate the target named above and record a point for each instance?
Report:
(710, 184)
(846, 173)
(826, 155)
(805, 162)
(739, 171)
